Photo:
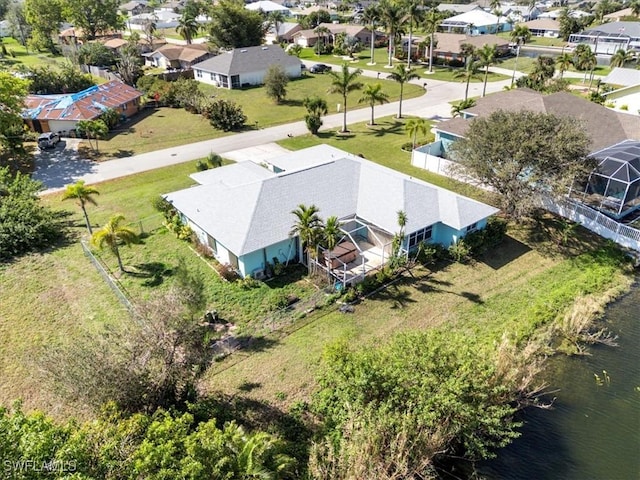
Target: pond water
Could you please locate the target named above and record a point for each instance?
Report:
(533, 52)
(593, 431)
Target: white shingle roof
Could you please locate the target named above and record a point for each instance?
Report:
(246, 209)
(623, 76)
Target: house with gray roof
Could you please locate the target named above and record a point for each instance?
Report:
(243, 67)
(243, 212)
(608, 38)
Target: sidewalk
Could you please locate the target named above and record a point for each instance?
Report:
(433, 105)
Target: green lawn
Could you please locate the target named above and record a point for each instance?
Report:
(362, 59)
(18, 55)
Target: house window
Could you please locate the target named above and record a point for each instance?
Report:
(473, 227)
(199, 73)
(211, 75)
(124, 107)
(416, 238)
(212, 243)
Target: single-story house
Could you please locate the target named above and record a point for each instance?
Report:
(76, 36)
(160, 18)
(448, 46)
(618, 15)
(544, 27)
(134, 7)
(556, 14)
(626, 96)
(267, 6)
(308, 38)
(116, 44)
(177, 56)
(245, 66)
(608, 38)
(286, 30)
(457, 8)
(604, 127)
(60, 113)
(475, 22)
(303, 12)
(243, 212)
(520, 13)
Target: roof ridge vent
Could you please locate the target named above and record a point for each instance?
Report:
(243, 50)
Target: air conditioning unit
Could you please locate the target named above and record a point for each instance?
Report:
(258, 274)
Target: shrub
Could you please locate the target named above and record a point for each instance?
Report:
(460, 251)
(214, 160)
(249, 282)
(160, 204)
(314, 122)
(624, 107)
(201, 166)
(279, 269)
(202, 249)
(224, 115)
(278, 300)
(227, 272)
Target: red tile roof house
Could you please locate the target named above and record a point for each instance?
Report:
(61, 113)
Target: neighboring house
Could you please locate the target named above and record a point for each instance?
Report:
(457, 8)
(556, 14)
(619, 15)
(160, 18)
(308, 38)
(172, 6)
(135, 7)
(5, 28)
(266, 6)
(604, 127)
(544, 27)
(475, 22)
(286, 31)
(243, 212)
(608, 38)
(60, 113)
(299, 13)
(76, 36)
(520, 13)
(448, 46)
(245, 66)
(626, 96)
(116, 44)
(171, 56)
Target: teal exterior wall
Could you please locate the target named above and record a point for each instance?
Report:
(446, 140)
(446, 236)
(251, 262)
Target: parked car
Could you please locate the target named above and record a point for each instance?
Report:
(319, 68)
(48, 140)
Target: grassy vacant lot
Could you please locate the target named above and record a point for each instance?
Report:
(18, 55)
(380, 55)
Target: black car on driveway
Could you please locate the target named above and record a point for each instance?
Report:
(319, 68)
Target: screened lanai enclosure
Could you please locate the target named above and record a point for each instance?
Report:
(613, 187)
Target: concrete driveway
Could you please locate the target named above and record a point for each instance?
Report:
(59, 166)
(257, 154)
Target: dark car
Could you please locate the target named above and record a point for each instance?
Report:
(319, 68)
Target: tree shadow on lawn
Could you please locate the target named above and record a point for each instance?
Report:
(509, 250)
(153, 273)
(121, 153)
(292, 274)
(382, 129)
(432, 285)
(255, 343)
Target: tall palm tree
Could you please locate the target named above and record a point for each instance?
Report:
(416, 126)
(402, 74)
(371, 16)
(321, 31)
(520, 34)
(307, 227)
(331, 232)
(83, 194)
(469, 72)
(372, 94)
(188, 27)
(431, 21)
(276, 18)
(487, 56)
(413, 15)
(563, 62)
(114, 234)
(392, 16)
(343, 82)
(620, 58)
(398, 238)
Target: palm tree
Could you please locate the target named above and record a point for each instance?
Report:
(188, 27)
(635, 8)
(459, 107)
(372, 94)
(83, 194)
(563, 62)
(321, 31)
(413, 15)
(331, 232)
(402, 74)
(371, 16)
(431, 22)
(467, 74)
(343, 82)
(487, 56)
(308, 227)
(520, 34)
(620, 58)
(316, 108)
(276, 18)
(398, 238)
(414, 127)
(112, 235)
(392, 16)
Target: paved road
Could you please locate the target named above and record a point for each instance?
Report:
(56, 171)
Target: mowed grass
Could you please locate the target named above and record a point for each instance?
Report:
(18, 55)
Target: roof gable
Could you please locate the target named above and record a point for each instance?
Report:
(247, 60)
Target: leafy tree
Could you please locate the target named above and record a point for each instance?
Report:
(225, 115)
(316, 107)
(393, 19)
(25, 224)
(275, 82)
(487, 56)
(129, 64)
(522, 154)
(539, 77)
(95, 53)
(83, 194)
(416, 126)
(343, 82)
(371, 17)
(13, 91)
(402, 74)
(93, 130)
(114, 234)
(307, 227)
(564, 62)
(45, 17)
(20, 28)
(372, 94)
(295, 50)
(635, 8)
(620, 58)
(568, 24)
(233, 26)
(93, 16)
(188, 26)
(67, 78)
(4, 7)
(311, 21)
